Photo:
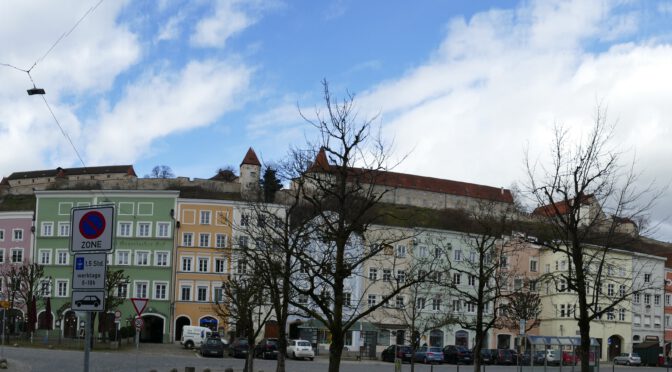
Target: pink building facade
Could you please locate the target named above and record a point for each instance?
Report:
(16, 242)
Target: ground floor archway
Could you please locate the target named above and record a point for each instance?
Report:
(70, 324)
(179, 323)
(436, 338)
(208, 322)
(152, 332)
(462, 338)
(615, 345)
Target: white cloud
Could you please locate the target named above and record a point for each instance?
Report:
(502, 78)
(163, 103)
(227, 20)
(171, 29)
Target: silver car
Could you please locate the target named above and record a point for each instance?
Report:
(300, 349)
(629, 359)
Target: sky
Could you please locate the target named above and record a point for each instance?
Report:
(462, 89)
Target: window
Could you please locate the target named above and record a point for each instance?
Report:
(185, 293)
(517, 284)
(45, 256)
(17, 255)
(635, 298)
(64, 229)
(201, 294)
(373, 273)
(203, 264)
(621, 290)
(457, 278)
(141, 289)
(647, 299)
(302, 299)
(122, 290)
(2, 235)
(241, 267)
(203, 240)
(244, 220)
(647, 321)
(420, 303)
(471, 307)
(533, 266)
(220, 240)
(636, 319)
(547, 268)
(668, 321)
(62, 257)
(533, 285)
(61, 288)
(610, 289)
(621, 315)
(656, 299)
(17, 235)
(472, 256)
(610, 314)
(261, 220)
(347, 298)
(504, 261)
(187, 239)
(45, 288)
(399, 303)
(163, 229)
(656, 321)
(161, 259)
(471, 280)
(205, 217)
(457, 255)
(668, 300)
(647, 278)
(144, 229)
(2, 258)
(372, 300)
(220, 265)
(218, 295)
(142, 258)
(401, 251)
(563, 285)
(610, 270)
(160, 290)
(186, 263)
(621, 271)
(125, 229)
(387, 275)
(422, 251)
(123, 258)
(457, 306)
(401, 276)
(47, 228)
(243, 241)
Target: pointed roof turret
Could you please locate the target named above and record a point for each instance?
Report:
(321, 162)
(251, 158)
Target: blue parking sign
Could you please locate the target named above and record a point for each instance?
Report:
(79, 263)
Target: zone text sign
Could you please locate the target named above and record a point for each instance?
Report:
(88, 271)
(91, 229)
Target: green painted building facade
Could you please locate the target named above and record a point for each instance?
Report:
(143, 246)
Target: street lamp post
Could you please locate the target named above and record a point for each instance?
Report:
(58, 326)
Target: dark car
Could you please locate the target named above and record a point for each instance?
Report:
(267, 348)
(212, 347)
(239, 348)
(487, 356)
(404, 352)
(457, 354)
(505, 357)
(538, 359)
(428, 354)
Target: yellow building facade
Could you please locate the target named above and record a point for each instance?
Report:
(202, 262)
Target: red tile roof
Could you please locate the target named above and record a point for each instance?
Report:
(251, 158)
(411, 181)
(559, 208)
(61, 172)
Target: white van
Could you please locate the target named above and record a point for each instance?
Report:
(194, 336)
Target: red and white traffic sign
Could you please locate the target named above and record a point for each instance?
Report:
(92, 229)
(139, 304)
(139, 323)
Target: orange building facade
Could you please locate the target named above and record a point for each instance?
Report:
(202, 262)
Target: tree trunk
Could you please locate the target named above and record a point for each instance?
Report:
(282, 350)
(335, 351)
(249, 361)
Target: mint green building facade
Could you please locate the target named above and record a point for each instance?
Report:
(143, 247)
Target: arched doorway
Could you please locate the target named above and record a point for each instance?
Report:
(614, 346)
(179, 323)
(462, 338)
(504, 341)
(152, 332)
(209, 322)
(70, 325)
(436, 338)
(45, 320)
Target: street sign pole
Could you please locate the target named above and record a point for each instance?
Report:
(87, 341)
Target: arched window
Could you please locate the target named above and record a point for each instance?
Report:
(462, 338)
(436, 338)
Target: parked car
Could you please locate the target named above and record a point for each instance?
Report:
(487, 356)
(428, 354)
(213, 346)
(267, 348)
(300, 349)
(569, 358)
(552, 357)
(514, 356)
(239, 348)
(505, 357)
(538, 359)
(457, 354)
(404, 352)
(629, 359)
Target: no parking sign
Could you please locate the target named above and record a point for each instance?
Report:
(92, 229)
